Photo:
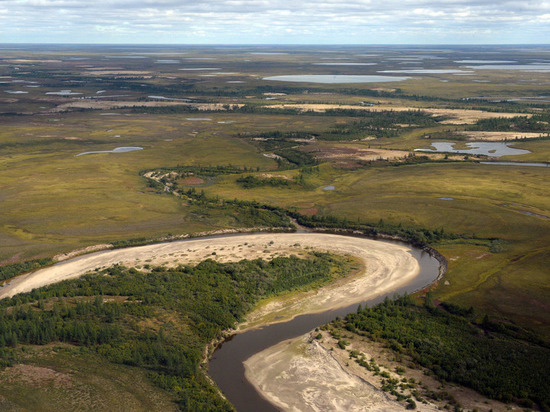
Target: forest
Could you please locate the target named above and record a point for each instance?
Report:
(159, 321)
(499, 360)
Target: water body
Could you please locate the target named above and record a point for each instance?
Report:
(226, 366)
(168, 98)
(542, 67)
(115, 150)
(331, 79)
(64, 93)
(446, 198)
(485, 61)
(199, 119)
(495, 149)
(329, 188)
(517, 164)
(427, 71)
(16, 92)
(200, 68)
(344, 64)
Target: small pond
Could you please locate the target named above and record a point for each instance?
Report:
(115, 150)
(516, 164)
(64, 93)
(495, 149)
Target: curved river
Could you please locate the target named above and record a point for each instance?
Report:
(392, 267)
(226, 366)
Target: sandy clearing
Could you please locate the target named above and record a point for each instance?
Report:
(358, 153)
(498, 136)
(301, 375)
(456, 116)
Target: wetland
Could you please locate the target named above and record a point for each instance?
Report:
(269, 138)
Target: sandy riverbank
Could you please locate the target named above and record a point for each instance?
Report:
(383, 266)
(388, 264)
(302, 375)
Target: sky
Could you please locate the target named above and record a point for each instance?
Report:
(275, 21)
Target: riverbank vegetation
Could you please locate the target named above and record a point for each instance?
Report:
(500, 360)
(158, 321)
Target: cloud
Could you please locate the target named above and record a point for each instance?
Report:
(274, 21)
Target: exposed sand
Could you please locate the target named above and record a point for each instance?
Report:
(291, 376)
(455, 116)
(499, 136)
(302, 375)
(388, 265)
(336, 151)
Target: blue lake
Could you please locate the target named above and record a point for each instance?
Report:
(495, 149)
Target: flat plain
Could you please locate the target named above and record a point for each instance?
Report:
(345, 150)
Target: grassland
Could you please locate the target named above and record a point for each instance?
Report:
(65, 377)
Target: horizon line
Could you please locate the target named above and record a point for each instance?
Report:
(275, 44)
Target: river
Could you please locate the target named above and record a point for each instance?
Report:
(226, 366)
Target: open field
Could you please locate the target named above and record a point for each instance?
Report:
(62, 377)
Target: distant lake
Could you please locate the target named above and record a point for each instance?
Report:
(200, 68)
(328, 78)
(426, 71)
(495, 149)
(485, 61)
(64, 93)
(516, 164)
(115, 150)
(344, 64)
(541, 67)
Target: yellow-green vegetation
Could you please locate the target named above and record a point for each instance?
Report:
(59, 377)
(483, 201)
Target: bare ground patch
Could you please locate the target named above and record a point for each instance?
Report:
(454, 116)
(498, 136)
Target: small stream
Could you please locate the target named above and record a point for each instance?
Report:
(226, 366)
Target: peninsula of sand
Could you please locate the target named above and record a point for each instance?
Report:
(384, 266)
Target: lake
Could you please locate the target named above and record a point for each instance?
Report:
(331, 79)
(115, 150)
(495, 149)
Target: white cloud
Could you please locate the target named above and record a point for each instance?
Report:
(289, 21)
